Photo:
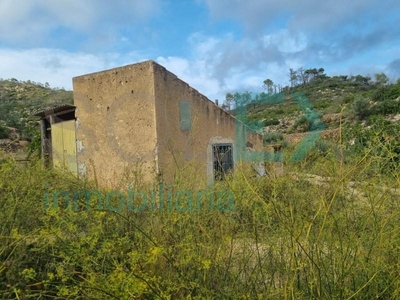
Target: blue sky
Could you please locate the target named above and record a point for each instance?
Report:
(217, 46)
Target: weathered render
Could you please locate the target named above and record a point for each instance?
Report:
(209, 125)
(116, 124)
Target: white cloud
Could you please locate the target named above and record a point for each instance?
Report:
(30, 20)
(306, 14)
(55, 66)
(195, 73)
(73, 14)
(285, 41)
(217, 65)
(237, 63)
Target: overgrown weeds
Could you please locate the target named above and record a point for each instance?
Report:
(293, 236)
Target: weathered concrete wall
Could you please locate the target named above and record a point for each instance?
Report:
(210, 124)
(116, 132)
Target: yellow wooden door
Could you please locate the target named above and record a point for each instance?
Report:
(57, 145)
(64, 146)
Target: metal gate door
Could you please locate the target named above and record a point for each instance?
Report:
(223, 160)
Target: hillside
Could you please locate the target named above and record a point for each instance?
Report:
(357, 98)
(345, 100)
(359, 118)
(335, 101)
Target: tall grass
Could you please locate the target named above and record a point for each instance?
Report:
(293, 236)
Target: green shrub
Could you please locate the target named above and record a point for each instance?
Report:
(4, 132)
(35, 146)
(322, 104)
(361, 108)
(380, 141)
(270, 122)
(348, 98)
(390, 92)
(272, 138)
(302, 124)
(322, 146)
(381, 94)
(387, 107)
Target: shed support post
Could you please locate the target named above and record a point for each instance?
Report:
(43, 131)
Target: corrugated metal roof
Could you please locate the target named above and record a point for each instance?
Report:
(55, 110)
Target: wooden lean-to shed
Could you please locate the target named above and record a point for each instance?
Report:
(57, 127)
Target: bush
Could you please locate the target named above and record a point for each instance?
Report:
(272, 138)
(271, 122)
(387, 107)
(381, 94)
(348, 98)
(380, 141)
(361, 108)
(322, 104)
(302, 124)
(390, 92)
(4, 132)
(322, 146)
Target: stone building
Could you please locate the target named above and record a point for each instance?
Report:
(143, 120)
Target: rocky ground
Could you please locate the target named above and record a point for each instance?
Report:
(14, 149)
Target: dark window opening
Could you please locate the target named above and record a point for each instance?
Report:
(223, 160)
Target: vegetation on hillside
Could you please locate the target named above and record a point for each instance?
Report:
(20, 99)
(339, 100)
